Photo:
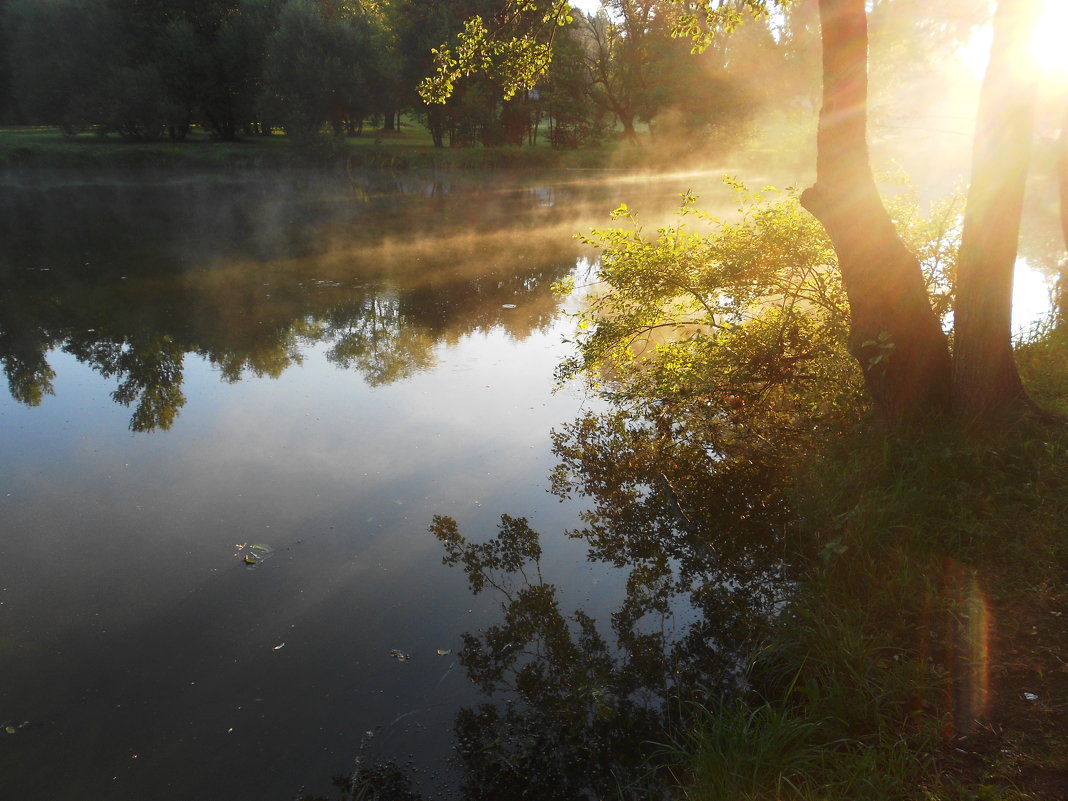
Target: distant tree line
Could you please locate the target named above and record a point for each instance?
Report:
(152, 69)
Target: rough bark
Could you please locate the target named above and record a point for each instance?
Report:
(894, 334)
(986, 383)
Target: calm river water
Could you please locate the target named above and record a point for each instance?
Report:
(319, 367)
(235, 406)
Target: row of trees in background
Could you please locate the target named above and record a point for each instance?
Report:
(151, 68)
(148, 69)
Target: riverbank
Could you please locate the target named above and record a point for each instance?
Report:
(926, 656)
(49, 148)
(411, 148)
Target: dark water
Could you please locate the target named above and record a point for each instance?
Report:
(319, 368)
(200, 366)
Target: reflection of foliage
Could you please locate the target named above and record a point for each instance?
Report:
(685, 522)
(29, 376)
(120, 286)
(579, 719)
(381, 341)
(150, 373)
(581, 713)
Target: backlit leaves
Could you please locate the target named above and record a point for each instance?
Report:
(516, 58)
(519, 58)
(739, 321)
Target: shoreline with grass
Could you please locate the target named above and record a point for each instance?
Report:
(925, 656)
(31, 148)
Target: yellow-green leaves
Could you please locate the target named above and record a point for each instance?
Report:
(712, 17)
(516, 58)
(747, 316)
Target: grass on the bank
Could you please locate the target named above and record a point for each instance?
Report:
(411, 147)
(859, 695)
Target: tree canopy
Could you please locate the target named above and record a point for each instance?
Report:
(895, 334)
(312, 68)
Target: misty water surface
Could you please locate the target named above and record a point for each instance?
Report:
(198, 366)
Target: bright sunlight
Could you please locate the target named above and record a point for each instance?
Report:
(1051, 56)
(1048, 39)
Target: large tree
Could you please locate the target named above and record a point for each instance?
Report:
(986, 382)
(618, 56)
(895, 335)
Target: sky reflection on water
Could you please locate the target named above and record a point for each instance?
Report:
(137, 645)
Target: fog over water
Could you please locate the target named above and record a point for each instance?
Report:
(199, 366)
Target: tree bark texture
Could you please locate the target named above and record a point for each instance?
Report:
(895, 334)
(986, 383)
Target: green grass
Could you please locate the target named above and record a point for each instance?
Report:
(858, 693)
(409, 148)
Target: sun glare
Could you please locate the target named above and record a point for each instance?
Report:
(1048, 41)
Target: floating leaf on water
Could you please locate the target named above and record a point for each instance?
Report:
(252, 555)
(508, 306)
(444, 651)
(10, 729)
(400, 656)
(279, 647)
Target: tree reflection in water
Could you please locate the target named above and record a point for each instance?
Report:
(111, 276)
(578, 708)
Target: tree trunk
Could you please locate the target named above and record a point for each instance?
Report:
(986, 383)
(1060, 297)
(894, 334)
(1062, 177)
(435, 118)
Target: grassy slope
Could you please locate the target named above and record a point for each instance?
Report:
(927, 657)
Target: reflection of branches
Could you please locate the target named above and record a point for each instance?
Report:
(578, 720)
(699, 534)
(149, 372)
(29, 376)
(376, 338)
(694, 517)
